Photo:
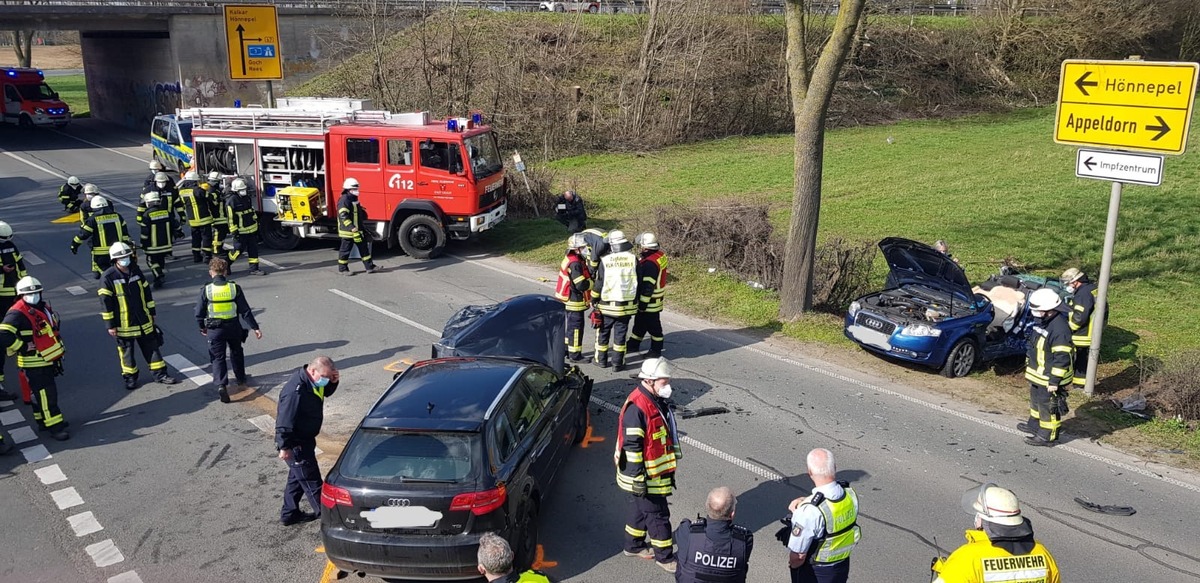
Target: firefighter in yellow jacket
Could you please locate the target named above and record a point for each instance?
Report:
(1000, 548)
(574, 290)
(616, 284)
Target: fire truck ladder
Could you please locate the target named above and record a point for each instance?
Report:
(277, 119)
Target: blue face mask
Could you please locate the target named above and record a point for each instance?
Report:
(123, 262)
(321, 382)
(33, 298)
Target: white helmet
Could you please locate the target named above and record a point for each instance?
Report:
(99, 203)
(1071, 275)
(214, 176)
(90, 188)
(152, 196)
(156, 166)
(189, 175)
(647, 241)
(1044, 300)
(617, 237)
(349, 183)
(239, 186)
(993, 504)
(73, 181)
(119, 250)
(161, 177)
(28, 285)
(5, 231)
(576, 241)
(656, 368)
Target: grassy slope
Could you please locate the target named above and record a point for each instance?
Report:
(72, 90)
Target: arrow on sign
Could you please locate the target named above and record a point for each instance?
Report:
(1162, 128)
(1090, 163)
(241, 43)
(1082, 83)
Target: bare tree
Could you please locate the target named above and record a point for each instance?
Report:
(23, 46)
(811, 94)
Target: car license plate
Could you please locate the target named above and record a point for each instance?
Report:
(402, 517)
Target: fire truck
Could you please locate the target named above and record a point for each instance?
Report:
(422, 181)
(28, 101)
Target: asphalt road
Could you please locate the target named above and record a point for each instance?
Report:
(184, 488)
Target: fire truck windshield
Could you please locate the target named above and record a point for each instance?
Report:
(484, 155)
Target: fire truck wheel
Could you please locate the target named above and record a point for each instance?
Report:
(421, 236)
(277, 236)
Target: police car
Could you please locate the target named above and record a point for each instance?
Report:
(172, 142)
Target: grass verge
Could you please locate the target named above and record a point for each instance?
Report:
(73, 90)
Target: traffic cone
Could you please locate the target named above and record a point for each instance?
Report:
(26, 393)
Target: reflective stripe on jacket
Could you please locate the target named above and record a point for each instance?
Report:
(652, 281)
(222, 304)
(243, 219)
(574, 286)
(156, 224)
(102, 229)
(195, 204)
(350, 216)
(980, 560)
(1051, 356)
(647, 451)
(10, 257)
(31, 333)
(617, 279)
(841, 528)
(128, 302)
(1083, 311)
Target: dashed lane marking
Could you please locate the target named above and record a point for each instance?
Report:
(126, 577)
(108, 195)
(11, 417)
(387, 313)
(22, 434)
(104, 553)
(6, 403)
(36, 454)
(76, 290)
(103, 419)
(84, 523)
(91, 143)
(31, 258)
(187, 369)
(67, 498)
(51, 475)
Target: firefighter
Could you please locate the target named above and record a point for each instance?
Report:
(569, 211)
(616, 280)
(714, 550)
(216, 203)
(1048, 368)
(824, 525)
(12, 269)
(574, 290)
(597, 247)
(85, 206)
(1000, 533)
(243, 225)
(30, 331)
(156, 224)
(351, 218)
(221, 303)
(652, 283)
(646, 455)
(156, 168)
(128, 310)
(68, 194)
(168, 192)
(198, 210)
(1083, 311)
(102, 229)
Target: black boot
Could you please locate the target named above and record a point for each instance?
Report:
(130, 381)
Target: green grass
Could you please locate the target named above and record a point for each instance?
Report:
(72, 90)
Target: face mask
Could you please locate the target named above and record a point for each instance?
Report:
(321, 382)
(1038, 313)
(32, 298)
(161, 185)
(665, 391)
(124, 262)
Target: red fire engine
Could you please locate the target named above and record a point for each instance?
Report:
(422, 181)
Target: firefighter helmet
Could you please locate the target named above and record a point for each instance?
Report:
(656, 368)
(99, 203)
(576, 241)
(90, 188)
(152, 196)
(1044, 300)
(189, 175)
(156, 166)
(119, 249)
(993, 504)
(1071, 275)
(5, 231)
(28, 285)
(239, 186)
(617, 237)
(214, 176)
(160, 178)
(647, 241)
(349, 183)
(73, 181)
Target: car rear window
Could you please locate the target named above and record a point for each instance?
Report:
(392, 457)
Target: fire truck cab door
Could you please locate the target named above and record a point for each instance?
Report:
(364, 162)
(400, 174)
(441, 169)
(12, 102)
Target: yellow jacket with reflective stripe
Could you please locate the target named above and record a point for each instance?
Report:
(645, 448)
(128, 303)
(841, 528)
(16, 338)
(617, 280)
(222, 301)
(979, 561)
(195, 204)
(1050, 358)
(102, 230)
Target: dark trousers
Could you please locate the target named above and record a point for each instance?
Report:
(364, 250)
(245, 245)
(573, 224)
(614, 327)
(647, 323)
(45, 396)
(574, 338)
(228, 336)
(148, 344)
(1042, 413)
(100, 261)
(201, 243)
(304, 479)
(219, 232)
(650, 515)
(158, 266)
(837, 572)
(1081, 358)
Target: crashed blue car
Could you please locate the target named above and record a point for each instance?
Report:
(931, 315)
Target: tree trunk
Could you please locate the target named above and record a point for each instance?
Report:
(23, 46)
(796, 291)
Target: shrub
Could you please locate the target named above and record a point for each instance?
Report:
(1178, 379)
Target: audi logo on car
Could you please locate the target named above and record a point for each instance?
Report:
(873, 323)
(398, 502)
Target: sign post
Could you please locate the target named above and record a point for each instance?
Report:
(1121, 105)
(252, 40)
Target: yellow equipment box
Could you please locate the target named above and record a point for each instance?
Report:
(299, 204)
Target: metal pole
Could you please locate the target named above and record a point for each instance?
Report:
(270, 94)
(1110, 240)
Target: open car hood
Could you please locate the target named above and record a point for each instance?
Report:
(911, 262)
(530, 327)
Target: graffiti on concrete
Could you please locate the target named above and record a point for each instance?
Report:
(200, 91)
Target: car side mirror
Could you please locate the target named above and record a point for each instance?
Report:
(54, 95)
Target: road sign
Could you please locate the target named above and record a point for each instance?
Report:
(252, 37)
(1129, 105)
(1124, 167)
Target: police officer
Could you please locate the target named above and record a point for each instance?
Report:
(646, 455)
(495, 558)
(1000, 533)
(68, 194)
(156, 224)
(216, 202)
(574, 290)
(297, 422)
(351, 219)
(198, 210)
(243, 225)
(1083, 312)
(714, 550)
(102, 229)
(128, 310)
(30, 330)
(12, 269)
(1049, 366)
(221, 303)
(652, 284)
(824, 525)
(616, 281)
(569, 211)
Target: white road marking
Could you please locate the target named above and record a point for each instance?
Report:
(51, 475)
(6, 403)
(76, 290)
(187, 369)
(391, 315)
(499, 270)
(126, 577)
(67, 498)
(108, 195)
(36, 454)
(32, 258)
(11, 417)
(103, 419)
(84, 524)
(104, 553)
(22, 434)
(90, 143)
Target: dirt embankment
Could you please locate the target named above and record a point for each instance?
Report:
(46, 57)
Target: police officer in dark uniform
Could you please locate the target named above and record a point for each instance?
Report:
(569, 211)
(714, 550)
(221, 303)
(297, 423)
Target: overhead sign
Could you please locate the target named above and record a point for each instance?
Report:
(1128, 105)
(1124, 167)
(252, 37)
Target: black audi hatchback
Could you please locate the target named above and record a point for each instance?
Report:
(458, 446)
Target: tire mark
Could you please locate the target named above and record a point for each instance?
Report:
(220, 456)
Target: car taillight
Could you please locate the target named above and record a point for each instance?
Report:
(480, 503)
(333, 496)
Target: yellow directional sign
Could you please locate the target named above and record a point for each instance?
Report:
(1126, 105)
(252, 37)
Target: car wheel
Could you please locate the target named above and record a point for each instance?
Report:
(421, 236)
(581, 425)
(560, 8)
(25, 122)
(277, 236)
(593, 9)
(525, 546)
(961, 359)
